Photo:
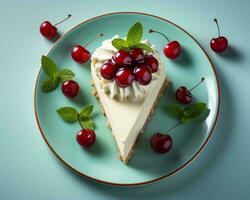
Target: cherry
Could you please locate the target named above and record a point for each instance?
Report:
(86, 137)
(122, 57)
(152, 63)
(108, 70)
(70, 88)
(172, 49)
(143, 74)
(124, 77)
(137, 55)
(161, 143)
(48, 30)
(183, 95)
(220, 43)
(80, 54)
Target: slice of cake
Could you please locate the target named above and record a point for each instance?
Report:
(128, 77)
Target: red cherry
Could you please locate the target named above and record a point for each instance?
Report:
(86, 137)
(183, 95)
(80, 54)
(152, 63)
(124, 77)
(143, 74)
(108, 70)
(220, 43)
(161, 143)
(70, 88)
(48, 30)
(172, 50)
(137, 55)
(122, 57)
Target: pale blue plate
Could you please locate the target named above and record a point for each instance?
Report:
(101, 163)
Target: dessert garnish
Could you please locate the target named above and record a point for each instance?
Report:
(183, 95)
(162, 143)
(220, 43)
(80, 54)
(48, 30)
(70, 114)
(86, 136)
(172, 49)
(70, 88)
(54, 74)
(130, 63)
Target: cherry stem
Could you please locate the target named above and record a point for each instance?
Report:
(173, 127)
(154, 31)
(215, 20)
(202, 79)
(63, 20)
(100, 35)
(80, 122)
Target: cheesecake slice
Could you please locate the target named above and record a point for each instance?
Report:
(127, 109)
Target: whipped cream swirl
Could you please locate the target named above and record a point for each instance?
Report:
(135, 91)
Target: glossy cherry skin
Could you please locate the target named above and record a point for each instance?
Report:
(152, 63)
(172, 50)
(124, 77)
(161, 143)
(108, 70)
(219, 44)
(142, 74)
(137, 55)
(86, 137)
(48, 30)
(80, 54)
(183, 95)
(70, 88)
(122, 57)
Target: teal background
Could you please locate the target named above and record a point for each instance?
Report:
(28, 170)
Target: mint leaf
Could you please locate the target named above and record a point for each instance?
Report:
(50, 84)
(49, 67)
(203, 116)
(86, 112)
(87, 123)
(66, 74)
(69, 114)
(185, 120)
(119, 44)
(175, 111)
(194, 110)
(134, 34)
(143, 46)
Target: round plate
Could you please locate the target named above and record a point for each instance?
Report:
(101, 162)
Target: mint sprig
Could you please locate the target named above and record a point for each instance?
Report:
(70, 114)
(133, 39)
(195, 112)
(54, 74)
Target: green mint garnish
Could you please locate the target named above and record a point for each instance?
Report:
(134, 34)
(54, 74)
(133, 39)
(70, 114)
(195, 112)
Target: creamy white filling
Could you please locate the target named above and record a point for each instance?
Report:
(135, 91)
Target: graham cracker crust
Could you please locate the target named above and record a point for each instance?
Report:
(94, 93)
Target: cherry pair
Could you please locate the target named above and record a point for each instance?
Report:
(173, 48)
